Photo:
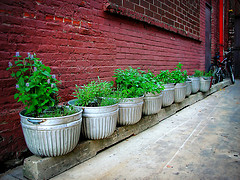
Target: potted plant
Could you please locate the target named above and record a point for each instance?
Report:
(153, 93)
(196, 81)
(100, 108)
(168, 93)
(49, 129)
(188, 87)
(129, 83)
(205, 81)
(180, 83)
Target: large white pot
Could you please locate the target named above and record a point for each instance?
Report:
(152, 103)
(205, 84)
(130, 110)
(168, 94)
(195, 84)
(188, 88)
(98, 122)
(180, 92)
(52, 136)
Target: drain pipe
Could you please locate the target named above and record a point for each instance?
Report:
(221, 30)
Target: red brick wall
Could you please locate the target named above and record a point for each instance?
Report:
(178, 16)
(80, 41)
(215, 27)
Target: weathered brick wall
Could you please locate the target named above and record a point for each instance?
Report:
(180, 16)
(215, 27)
(81, 40)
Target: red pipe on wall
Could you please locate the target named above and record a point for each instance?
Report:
(221, 39)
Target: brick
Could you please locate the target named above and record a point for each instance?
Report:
(148, 13)
(144, 4)
(158, 3)
(153, 8)
(59, 19)
(128, 4)
(135, 1)
(118, 2)
(139, 9)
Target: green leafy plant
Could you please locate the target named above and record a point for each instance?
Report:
(208, 74)
(37, 88)
(178, 75)
(198, 73)
(96, 93)
(135, 82)
(165, 77)
(150, 84)
(129, 82)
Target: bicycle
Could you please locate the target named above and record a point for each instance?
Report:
(222, 69)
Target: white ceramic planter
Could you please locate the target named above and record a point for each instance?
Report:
(152, 103)
(195, 84)
(130, 111)
(168, 94)
(52, 136)
(99, 122)
(180, 92)
(188, 88)
(205, 84)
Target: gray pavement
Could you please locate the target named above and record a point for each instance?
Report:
(201, 141)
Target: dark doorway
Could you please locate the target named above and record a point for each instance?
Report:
(236, 52)
(207, 37)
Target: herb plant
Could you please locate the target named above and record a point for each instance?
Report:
(198, 73)
(129, 82)
(94, 94)
(178, 75)
(209, 74)
(150, 84)
(37, 88)
(135, 82)
(165, 77)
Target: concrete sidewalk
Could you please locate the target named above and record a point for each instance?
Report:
(201, 141)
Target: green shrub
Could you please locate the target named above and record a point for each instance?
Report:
(165, 77)
(135, 82)
(150, 84)
(94, 94)
(37, 87)
(198, 73)
(178, 75)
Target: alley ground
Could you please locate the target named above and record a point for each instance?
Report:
(201, 141)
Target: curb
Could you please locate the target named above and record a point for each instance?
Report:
(44, 168)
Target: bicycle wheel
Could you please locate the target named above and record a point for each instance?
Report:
(214, 69)
(230, 70)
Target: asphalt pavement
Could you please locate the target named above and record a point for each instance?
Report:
(201, 141)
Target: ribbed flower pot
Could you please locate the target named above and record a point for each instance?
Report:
(205, 84)
(130, 110)
(180, 92)
(168, 94)
(195, 84)
(52, 136)
(98, 122)
(188, 87)
(152, 103)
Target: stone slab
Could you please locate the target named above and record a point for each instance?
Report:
(44, 168)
